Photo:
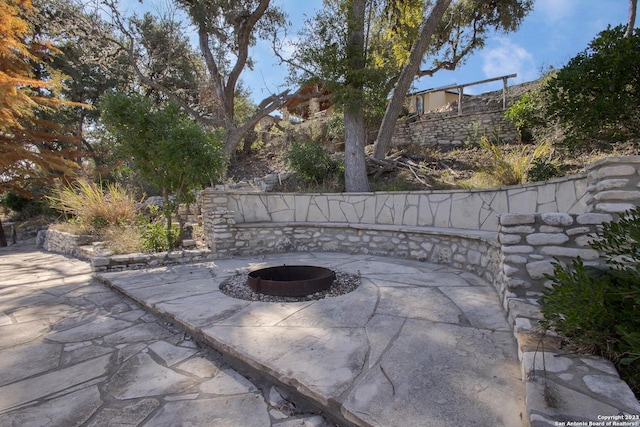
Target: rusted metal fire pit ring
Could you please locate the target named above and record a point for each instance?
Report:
(290, 280)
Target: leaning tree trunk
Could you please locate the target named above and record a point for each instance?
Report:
(383, 142)
(3, 238)
(355, 167)
(631, 22)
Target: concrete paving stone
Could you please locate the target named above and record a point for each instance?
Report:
(129, 415)
(559, 403)
(199, 366)
(126, 352)
(34, 388)
(169, 353)
(304, 421)
(139, 332)
(22, 333)
(5, 320)
(51, 311)
(381, 330)
(228, 382)
(246, 410)
(441, 375)
(141, 376)
(418, 303)
(202, 310)
(351, 311)
(23, 361)
(132, 315)
(70, 410)
(264, 313)
(97, 328)
(609, 387)
(320, 362)
(81, 354)
(480, 306)
(169, 291)
(24, 298)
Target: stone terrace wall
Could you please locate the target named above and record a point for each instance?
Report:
(467, 210)
(449, 129)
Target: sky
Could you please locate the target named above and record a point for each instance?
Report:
(553, 33)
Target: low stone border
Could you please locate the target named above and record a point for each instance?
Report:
(85, 247)
(563, 388)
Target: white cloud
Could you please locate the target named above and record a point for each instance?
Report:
(555, 10)
(508, 58)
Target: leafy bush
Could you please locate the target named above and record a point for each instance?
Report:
(92, 207)
(542, 170)
(335, 127)
(597, 94)
(311, 161)
(154, 234)
(155, 237)
(597, 310)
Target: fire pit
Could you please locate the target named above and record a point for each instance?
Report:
(290, 280)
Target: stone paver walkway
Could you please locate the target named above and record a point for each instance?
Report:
(75, 353)
(417, 344)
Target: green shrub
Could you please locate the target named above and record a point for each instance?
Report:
(153, 232)
(335, 127)
(542, 170)
(597, 310)
(311, 161)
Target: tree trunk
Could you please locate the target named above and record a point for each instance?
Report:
(409, 71)
(167, 214)
(355, 167)
(3, 238)
(633, 5)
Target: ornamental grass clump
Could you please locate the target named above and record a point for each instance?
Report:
(92, 208)
(596, 310)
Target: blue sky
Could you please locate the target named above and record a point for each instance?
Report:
(554, 32)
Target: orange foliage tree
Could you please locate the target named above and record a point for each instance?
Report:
(33, 150)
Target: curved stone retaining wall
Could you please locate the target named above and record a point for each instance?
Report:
(459, 209)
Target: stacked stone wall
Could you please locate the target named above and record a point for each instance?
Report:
(475, 252)
(613, 185)
(447, 129)
(64, 243)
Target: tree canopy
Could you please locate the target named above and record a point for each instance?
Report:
(33, 149)
(596, 96)
(165, 145)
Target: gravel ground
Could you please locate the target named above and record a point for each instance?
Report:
(236, 287)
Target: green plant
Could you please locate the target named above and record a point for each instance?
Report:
(169, 149)
(335, 127)
(542, 170)
(92, 207)
(311, 161)
(509, 167)
(596, 309)
(155, 238)
(597, 94)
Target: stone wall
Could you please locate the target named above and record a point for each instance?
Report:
(510, 236)
(64, 243)
(477, 252)
(449, 129)
(460, 209)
